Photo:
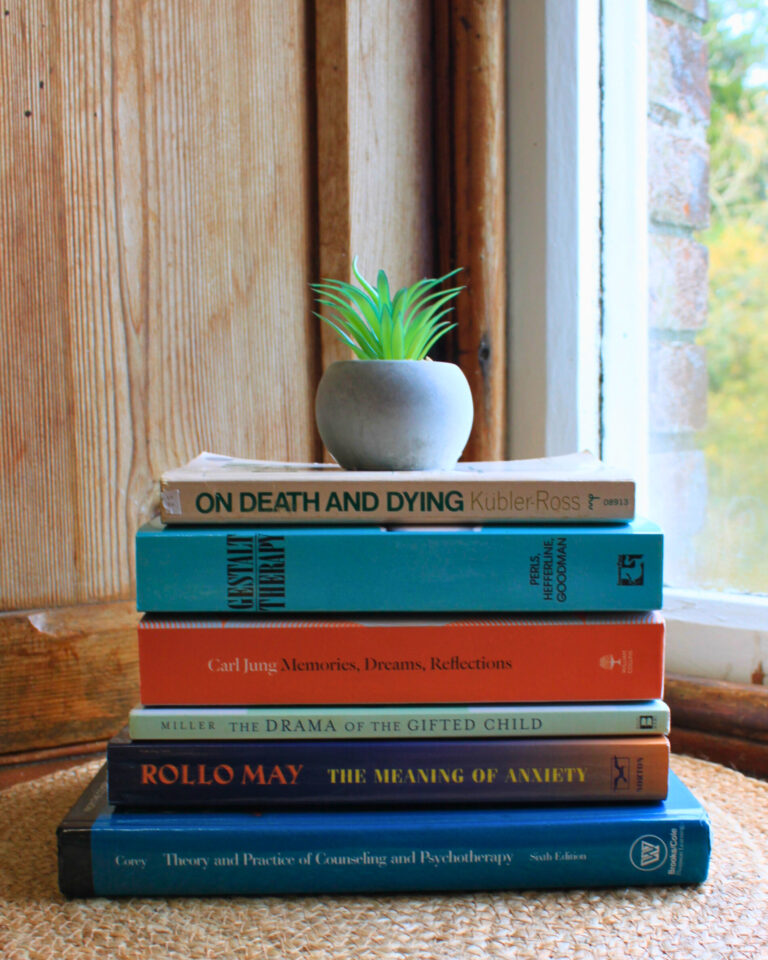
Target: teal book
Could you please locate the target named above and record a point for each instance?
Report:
(104, 852)
(367, 569)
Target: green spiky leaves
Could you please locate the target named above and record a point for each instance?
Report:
(377, 326)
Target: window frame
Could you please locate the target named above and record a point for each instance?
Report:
(578, 366)
(553, 248)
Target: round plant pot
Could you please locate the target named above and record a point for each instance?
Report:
(394, 414)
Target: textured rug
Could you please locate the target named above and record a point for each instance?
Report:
(727, 917)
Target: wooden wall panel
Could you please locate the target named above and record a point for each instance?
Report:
(334, 199)
(39, 539)
(470, 119)
(391, 138)
(411, 127)
(157, 222)
(375, 153)
(174, 174)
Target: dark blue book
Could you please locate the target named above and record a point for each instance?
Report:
(104, 852)
(302, 773)
(367, 569)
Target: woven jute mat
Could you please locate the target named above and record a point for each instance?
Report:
(727, 917)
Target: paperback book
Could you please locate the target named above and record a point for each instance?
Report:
(108, 852)
(295, 773)
(367, 569)
(410, 721)
(240, 661)
(218, 489)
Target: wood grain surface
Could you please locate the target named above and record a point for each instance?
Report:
(334, 199)
(738, 753)
(716, 706)
(174, 175)
(471, 202)
(390, 138)
(720, 721)
(67, 676)
(157, 227)
(375, 153)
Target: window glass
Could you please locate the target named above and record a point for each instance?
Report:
(716, 493)
(733, 544)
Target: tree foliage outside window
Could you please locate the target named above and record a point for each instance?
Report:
(732, 546)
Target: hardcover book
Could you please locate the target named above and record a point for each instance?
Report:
(240, 661)
(410, 721)
(301, 773)
(366, 569)
(218, 489)
(104, 852)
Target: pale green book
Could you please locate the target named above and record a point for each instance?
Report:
(400, 722)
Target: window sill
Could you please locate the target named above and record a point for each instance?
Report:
(717, 636)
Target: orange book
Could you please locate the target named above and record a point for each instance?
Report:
(241, 662)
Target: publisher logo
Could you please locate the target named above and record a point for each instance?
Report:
(620, 773)
(624, 661)
(647, 721)
(648, 852)
(631, 569)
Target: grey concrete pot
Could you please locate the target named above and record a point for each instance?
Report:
(394, 414)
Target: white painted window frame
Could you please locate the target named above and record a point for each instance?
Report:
(554, 264)
(578, 374)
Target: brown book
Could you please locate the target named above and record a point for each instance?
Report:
(213, 489)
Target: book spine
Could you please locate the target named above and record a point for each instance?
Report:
(462, 500)
(358, 854)
(369, 569)
(73, 839)
(406, 722)
(342, 662)
(358, 772)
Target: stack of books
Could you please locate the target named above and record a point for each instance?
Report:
(363, 682)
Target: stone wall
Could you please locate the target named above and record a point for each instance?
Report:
(678, 173)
